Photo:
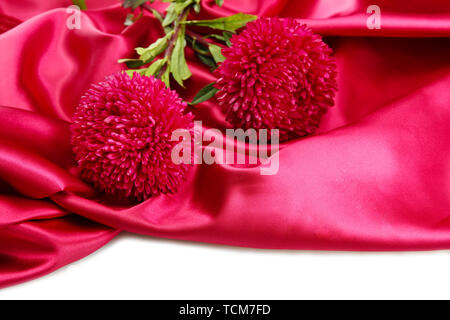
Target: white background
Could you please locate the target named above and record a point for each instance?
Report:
(135, 267)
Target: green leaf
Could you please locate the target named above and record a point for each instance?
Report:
(155, 49)
(166, 77)
(216, 52)
(174, 10)
(155, 67)
(133, 4)
(178, 64)
(219, 2)
(197, 8)
(132, 71)
(132, 63)
(198, 47)
(157, 15)
(205, 94)
(128, 60)
(80, 3)
(207, 60)
(225, 37)
(231, 23)
(160, 18)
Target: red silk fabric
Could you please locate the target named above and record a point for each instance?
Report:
(375, 177)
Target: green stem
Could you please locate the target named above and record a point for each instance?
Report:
(197, 38)
(177, 29)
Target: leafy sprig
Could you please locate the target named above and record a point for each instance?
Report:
(165, 58)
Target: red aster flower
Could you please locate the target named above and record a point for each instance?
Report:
(121, 136)
(277, 74)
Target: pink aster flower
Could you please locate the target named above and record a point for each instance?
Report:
(277, 74)
(121, 136)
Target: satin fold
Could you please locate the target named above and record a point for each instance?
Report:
(376, 177)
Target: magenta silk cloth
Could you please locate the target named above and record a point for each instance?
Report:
(375, 177)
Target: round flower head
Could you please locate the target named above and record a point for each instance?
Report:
(121, 136)
(277, 74)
